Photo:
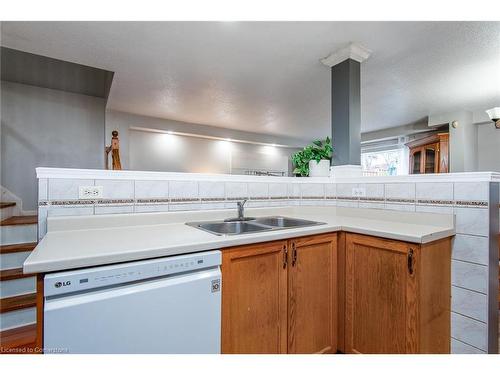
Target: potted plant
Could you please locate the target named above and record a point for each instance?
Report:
(314, 160)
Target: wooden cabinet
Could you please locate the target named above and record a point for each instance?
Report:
(397, 296)
(429, 154)
(254, 299)
(312, 291)
(280, 297)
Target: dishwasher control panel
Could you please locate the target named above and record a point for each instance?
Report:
(103, 276)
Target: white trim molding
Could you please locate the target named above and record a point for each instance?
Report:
(43, 172)
(353, 51)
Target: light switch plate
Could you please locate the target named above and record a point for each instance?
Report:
(90, 192)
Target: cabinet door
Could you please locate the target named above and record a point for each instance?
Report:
(416, 157)
(431, 158)
(254, 299)
(312, 302)
(381, 295)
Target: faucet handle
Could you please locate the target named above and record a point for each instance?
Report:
(241, 203)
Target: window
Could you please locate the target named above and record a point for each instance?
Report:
(385, 163)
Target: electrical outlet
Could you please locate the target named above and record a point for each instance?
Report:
(358, 192)
(90, 192)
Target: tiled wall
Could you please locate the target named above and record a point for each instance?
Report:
(472, 292)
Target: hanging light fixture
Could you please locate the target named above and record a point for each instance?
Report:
(494, 114)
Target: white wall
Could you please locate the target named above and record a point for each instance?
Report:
(156, 152)
(176, 153)
(488, 147)
(43, 127)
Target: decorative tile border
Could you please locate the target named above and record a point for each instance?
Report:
(142, 201)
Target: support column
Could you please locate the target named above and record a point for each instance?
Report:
(346, 108)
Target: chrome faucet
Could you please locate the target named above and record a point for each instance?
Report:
(241, 213)
(241, 209)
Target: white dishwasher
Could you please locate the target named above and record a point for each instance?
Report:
(164, 305)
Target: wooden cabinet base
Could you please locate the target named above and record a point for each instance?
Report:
(397, 296)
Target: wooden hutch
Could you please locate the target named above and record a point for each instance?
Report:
(429, 154)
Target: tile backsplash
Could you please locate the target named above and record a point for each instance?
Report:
(469, 201)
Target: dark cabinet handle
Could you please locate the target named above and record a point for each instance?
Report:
(294, 254)
(285, 256)
(410, 261)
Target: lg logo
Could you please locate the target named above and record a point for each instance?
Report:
(60, 284)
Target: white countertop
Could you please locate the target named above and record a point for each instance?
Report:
(85, 241)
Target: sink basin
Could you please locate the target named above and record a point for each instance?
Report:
(284, 222)
(233, 227)
(260, 224)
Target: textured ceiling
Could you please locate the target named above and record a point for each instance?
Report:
(266, 76)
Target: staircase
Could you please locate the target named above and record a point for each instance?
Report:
(18, 236)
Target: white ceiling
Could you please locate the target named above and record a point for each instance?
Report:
(266, 76)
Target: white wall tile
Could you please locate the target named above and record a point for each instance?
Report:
(116, 189)
(373, 190)
(294, 190)
(345, 190)
(151, 189)
(70, 210)
(183, 189)
(400, 191)
(434, 190)
(380, 205)
(470, 191)
(211, 189)
(458, 347)
(469, 303)
(66, 188)
(184, 207)
(151, 208)
(118, 209)
(312, 190)
(400, 207)
(472, 221)
(278, 190)
(469, 275)
(435, 209)
(43, 189)
(471, 249)
(342, 203)
(258, 190)
(213, 205)
(236, 190)
(331, 190)
(469, 331)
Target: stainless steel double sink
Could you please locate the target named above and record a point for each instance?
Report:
(251, 225)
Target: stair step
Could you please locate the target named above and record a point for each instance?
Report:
(14, 273)
(17, 248)
(23, 301)
(18, 338)
(7, 204)
(20, 220)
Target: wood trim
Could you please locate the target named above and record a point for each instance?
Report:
(423, 141)
(39, 312)
(17, 248)
(21, 338)
(435, 297)
(341, 265)
(14, 273)
(23, 301)
(20, 220)
(7, 204)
